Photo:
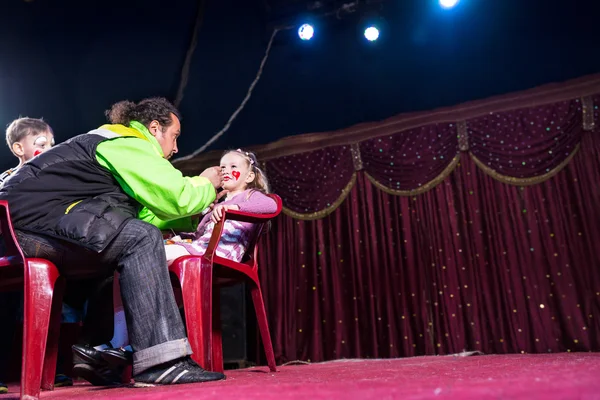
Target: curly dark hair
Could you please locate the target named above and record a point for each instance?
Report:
(148, 110)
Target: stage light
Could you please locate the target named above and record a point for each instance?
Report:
(371, 33)
(448, 3)
(306, 31)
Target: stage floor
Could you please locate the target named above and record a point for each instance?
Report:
(544, 376)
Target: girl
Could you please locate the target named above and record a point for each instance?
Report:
(246, 186)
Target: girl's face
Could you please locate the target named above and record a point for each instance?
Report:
(236, 170)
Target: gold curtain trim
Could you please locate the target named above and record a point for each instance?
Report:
(431, 184)
(588, 113)
(356, 157)
(422, 189)
(325, 212)
(463, 135)
(524, 181)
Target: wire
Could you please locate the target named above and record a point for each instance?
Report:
(185, 70)
(242, 105)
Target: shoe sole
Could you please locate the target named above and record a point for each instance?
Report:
(144, 384)
(92, 376)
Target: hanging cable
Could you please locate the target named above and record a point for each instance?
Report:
(236, 112)
(185, 70)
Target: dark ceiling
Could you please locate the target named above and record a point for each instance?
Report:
(69, 60)
(286, 12)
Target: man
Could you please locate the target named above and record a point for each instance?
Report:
(26, 138)
(78, 204)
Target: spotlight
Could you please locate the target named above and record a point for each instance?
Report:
(306, 31)
(371, 33)
(372, 26)
(448, 3)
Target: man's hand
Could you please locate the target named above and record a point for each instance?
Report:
(214, 175)
(219, 196)
(212, 205)
(217, 213)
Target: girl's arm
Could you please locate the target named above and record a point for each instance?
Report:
(258, 203)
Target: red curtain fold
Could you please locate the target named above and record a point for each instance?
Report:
(312, 181)
(528, 142)
(410, 159)
(520, 144)
(473, 264)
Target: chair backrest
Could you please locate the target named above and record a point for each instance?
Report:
(10, 252)
(250, 257)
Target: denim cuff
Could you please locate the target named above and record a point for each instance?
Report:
(161, 353)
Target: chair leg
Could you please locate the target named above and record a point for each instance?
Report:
(51, 354)
(40, 279)
(263, 325)
(217, 337)
(195, 299)
(206, 318)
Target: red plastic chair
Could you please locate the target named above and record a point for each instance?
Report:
(198, 275)
(43, 291)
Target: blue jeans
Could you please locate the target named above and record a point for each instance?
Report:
(156, 331)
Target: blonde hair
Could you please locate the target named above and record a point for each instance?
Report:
(260, 182)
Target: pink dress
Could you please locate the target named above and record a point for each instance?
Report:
(236, 235)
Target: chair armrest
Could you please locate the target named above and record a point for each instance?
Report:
(235, 215)
(231, 215)
(14, 254)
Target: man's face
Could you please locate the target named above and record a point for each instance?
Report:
(166, 136)
(32, 145)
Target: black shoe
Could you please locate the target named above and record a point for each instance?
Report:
(98, 376)
(118, 356)
(61, 380)
(87, 354)
(3, 388)
(183, 370)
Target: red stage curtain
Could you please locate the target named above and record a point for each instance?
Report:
(480, 235)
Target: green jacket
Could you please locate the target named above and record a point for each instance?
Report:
(169, 199)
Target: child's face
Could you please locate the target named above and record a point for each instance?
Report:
(32, 145)
(236, 172)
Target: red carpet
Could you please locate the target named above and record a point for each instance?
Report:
(546, 376)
